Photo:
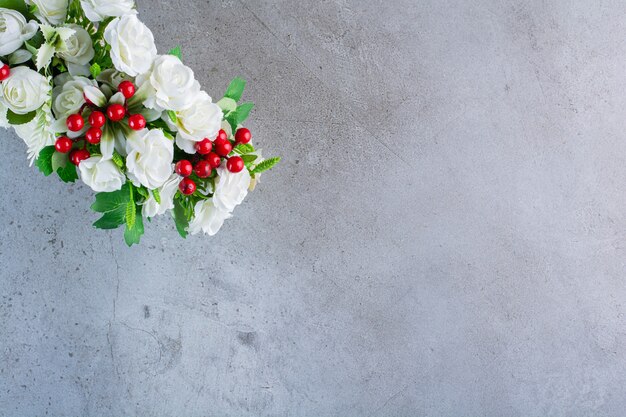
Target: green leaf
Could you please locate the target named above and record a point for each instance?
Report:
(235, 89)
(44, 160)
(265, 165)
(244, 148)
(95, 70)
(131, 210)
(243, 111)
(112, 201)
(20, 119)
(132, 234)
(172, 115)
(117, 159)
(59, 160)
(249, 158)
(112, 219)
(180, 218)
(157, 196)
(68, 173)
(227, 105)
(176, 52)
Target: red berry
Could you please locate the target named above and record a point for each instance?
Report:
(93, 135)
(184, 168)
(5, 71)
(213, 159)
(204, 146)
(127, 89)
(203, 169)
(79, 155)
(243, 135)
(75, 122)
(235, 164)
(63, 144)
(222, 135)
(222, 146)
(97, 119)
(137, 122)
(116, 112)
(187, 186)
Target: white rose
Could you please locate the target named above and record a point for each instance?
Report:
(132, 45)
(208, 218)
(149, 159)
(37, 134)
(231, 189)
(24, 91)
(68, 96)
(52, 12)
(202, 120)
(98, 10)
(173, 84)
(167, 192)
(103, 176)
(14, 30)
(79, 51)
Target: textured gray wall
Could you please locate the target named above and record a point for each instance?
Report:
(445, 237)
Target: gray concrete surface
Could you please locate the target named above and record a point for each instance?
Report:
(445, 237)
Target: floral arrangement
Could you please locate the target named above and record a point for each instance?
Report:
(82, 84)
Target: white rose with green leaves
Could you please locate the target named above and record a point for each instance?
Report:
(166, 193)
(14, 30)
(98, 10)
(103, 176)
(202, 120)
(173, 85)
(231, 188)
(52, 12)
(207, 218)
(132, 45)
(149, 158)
(79, 51)
(24, 91)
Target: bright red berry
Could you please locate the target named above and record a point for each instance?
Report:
(63, 144)
(75, 122)
(116, 112)
(184, 168)
(127, 89)
(137, 122)
(235, 164)
(243, 135)
(204, 146)
(5, 71)
(222, 146)
(79, 155)
(187, 186)
(222, 135)
(213, 159)
(93, 135)
(97, 119)
(203, 169)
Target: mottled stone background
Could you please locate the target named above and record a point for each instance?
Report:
(445, 237)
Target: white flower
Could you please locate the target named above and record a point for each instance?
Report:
(37, 133)
(24, 91)
(167, 191)
(202, 120)
(68, 96)
(14, 30)
(3, 116)
(98, 10)
(79, 51)
(132, 45)
(231, 189)
(149, 159)
(52, 12)
(173, 83)
(103, 176)
(208, 218)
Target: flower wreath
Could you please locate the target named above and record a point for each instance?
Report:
(82, 84)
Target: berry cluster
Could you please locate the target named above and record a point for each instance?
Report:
(115, 113)
(209, 156)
